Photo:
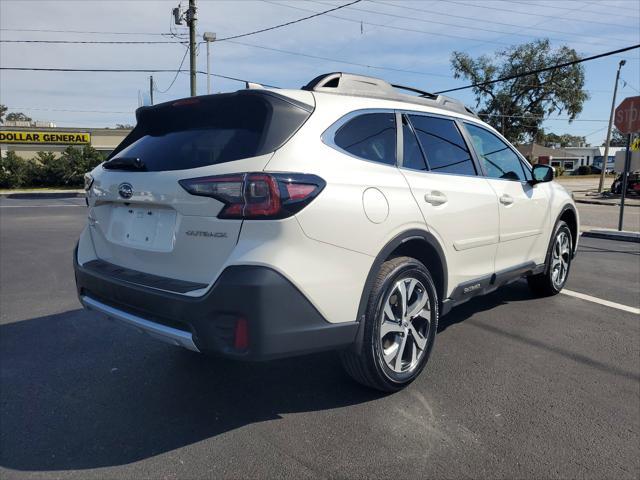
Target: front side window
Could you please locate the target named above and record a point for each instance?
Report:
(370, 136)
(443, 145)
(497, 158)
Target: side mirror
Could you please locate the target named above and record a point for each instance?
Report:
(542, 173)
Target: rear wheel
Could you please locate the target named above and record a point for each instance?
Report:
(399, 329)
(556, 273)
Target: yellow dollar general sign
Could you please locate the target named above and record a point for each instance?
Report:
(635, 145)
(64, 138)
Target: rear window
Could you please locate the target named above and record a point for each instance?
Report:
(210, 130)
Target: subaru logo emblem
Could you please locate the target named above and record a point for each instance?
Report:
(125, 190)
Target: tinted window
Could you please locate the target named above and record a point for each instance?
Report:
(411, 154)
(497, 158)
(443, 144)
(371, 136)
(194, 133)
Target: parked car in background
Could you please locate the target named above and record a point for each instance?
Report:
(633, 184)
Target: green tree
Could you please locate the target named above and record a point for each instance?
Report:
(564, 140)
(18, 117)
(124, 126)
(3, 110)
(618, 139)
(517, 107)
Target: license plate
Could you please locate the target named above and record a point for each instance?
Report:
(142, 227)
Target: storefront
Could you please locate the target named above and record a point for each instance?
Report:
(26, 142)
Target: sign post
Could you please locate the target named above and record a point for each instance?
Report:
(627, 120)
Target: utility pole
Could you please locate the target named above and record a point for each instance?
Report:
(191, 22)
(606, 145)
(151, 89)
(208, 37)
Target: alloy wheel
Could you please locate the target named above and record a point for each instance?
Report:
(560, 257)
(404, 325)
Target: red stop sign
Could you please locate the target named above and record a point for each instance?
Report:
(627, 118)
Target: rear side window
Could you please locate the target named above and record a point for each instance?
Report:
(370, 136)
(443, 144)
(197, 132)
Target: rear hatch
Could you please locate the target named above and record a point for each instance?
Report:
(142, 219)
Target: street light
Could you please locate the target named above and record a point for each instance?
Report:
(208, 37)
(605, 159)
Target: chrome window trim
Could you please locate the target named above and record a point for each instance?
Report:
(328, 136)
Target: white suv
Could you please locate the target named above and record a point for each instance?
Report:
(346, 215)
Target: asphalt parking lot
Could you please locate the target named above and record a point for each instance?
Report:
(517, 387)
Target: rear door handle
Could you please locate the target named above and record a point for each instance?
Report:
(506, 199)
(435, 198)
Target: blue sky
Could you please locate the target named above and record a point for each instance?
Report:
(411, 40)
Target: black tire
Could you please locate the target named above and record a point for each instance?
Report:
(544, 284)
(368, 366)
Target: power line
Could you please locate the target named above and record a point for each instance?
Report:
(518, 2)
(627, 84)
(542, 117)
(104, 42)
(555, 17)
(494, 22)
(186, 50)
(540, 70)
(128, 70)
(317, 14)
(77, 31)
(380, 25)
(346, 62)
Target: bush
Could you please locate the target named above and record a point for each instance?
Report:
(584, 170)
(47, 170)
(559, 171)
(13, 171)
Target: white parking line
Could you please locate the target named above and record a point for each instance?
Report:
(606, 303)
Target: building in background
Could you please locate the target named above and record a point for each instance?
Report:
(569, 158)
(27, 141)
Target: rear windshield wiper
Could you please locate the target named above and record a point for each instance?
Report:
(125, 163)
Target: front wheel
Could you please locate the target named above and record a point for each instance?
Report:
(556, 273)
(399, 329)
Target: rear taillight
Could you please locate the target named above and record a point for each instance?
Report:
(257, 195)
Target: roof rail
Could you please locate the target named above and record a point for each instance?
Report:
(253, 86)
(364, 86)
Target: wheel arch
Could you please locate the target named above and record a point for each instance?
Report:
(415, 243)
(569, 215)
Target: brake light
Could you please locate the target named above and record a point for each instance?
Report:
(257, 196)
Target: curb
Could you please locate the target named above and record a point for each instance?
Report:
(601, 202)
(42, 195)
(613, 235)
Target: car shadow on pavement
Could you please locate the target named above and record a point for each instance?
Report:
(77, 392)
(517, 292)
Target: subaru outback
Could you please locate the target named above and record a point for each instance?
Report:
(346, 215)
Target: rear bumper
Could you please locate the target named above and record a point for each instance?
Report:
(281, 321)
